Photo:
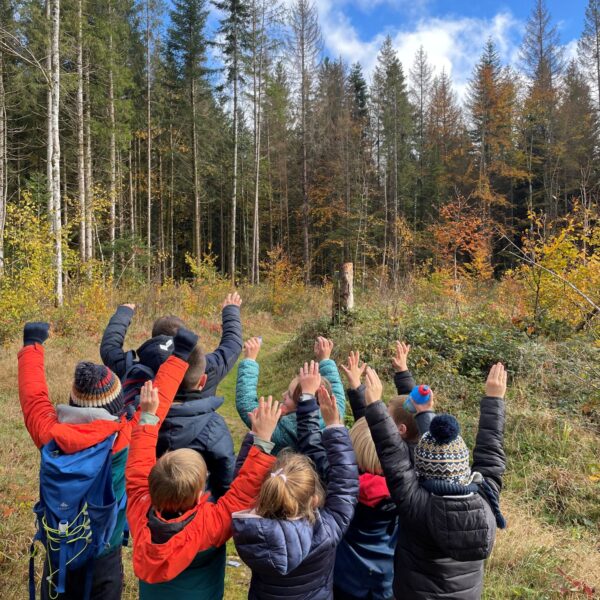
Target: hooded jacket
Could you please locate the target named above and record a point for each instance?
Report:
(293, 559)
(161, 553)
(246, 400)
(75, 429)
(193, 423)
(218, 363)
(442, 540)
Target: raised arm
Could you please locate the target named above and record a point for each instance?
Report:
(329, 370)
(111, 346)
(38, 411)
(403, 378)
(221, 361)
(488, 455)
(354, 371)
(393, 454)
(219, 456)
(310, 444)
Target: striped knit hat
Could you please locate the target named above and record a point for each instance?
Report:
(442, 454)
(96, 386)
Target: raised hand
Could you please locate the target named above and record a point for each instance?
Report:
(36, 332)
(323, 348)
(329, 407)
(373, 386)
(264, 418)
(495, 385)
(354, 370)
(252, 348)
(149, 400)
(400, 360)
(233, 299)
(309, 378)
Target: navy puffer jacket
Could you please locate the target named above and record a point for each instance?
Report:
(293, 560)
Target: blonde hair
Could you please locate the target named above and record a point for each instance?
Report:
(364, 448)
(176, 480)
(290, 490)
(401, 416)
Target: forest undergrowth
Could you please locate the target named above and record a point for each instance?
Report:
(551, 548)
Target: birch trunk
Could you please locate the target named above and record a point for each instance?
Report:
(113, 147)
(149, 147)
(3, 163)
(80, 137)
(235, 168)
(197, 241)
(89, 189)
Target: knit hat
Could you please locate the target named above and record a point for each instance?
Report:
(98, 387)
(442, 454)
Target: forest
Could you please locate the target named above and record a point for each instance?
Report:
(134, 146)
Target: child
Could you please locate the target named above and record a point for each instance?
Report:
(449, 511)
(175, 528)
(90, 418)
(158, 348)
(192, 422)
(289, 540)
(247, 383)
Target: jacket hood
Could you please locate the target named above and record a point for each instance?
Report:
(191, 404)
(372, 489)
(463, 527)
(155, 351)
(268, 545)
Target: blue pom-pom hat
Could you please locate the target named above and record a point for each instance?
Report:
(442, 453)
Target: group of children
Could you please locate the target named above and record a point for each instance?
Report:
(392, 508)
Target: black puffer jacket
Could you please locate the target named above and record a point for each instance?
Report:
(443, 540)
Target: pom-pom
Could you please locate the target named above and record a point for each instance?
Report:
(444, 429)
(88, 374)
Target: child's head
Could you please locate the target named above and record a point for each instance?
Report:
(195, 377)
(168, 325)
(442, 453)
(405, 421)
(177, 480)
(364, 448)
(292, 490)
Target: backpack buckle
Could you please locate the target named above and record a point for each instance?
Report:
(63, 528)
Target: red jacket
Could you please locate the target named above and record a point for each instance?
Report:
(40, 415)
(211, 525)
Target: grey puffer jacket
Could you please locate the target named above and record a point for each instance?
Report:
(443, 540)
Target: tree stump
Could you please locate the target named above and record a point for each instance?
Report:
(343, 291)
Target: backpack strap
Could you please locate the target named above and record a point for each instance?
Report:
(129, 359)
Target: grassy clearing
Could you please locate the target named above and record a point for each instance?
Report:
(551, 497)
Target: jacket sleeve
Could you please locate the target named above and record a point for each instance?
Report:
(329, 370)
(242, 495)
(221, 361)
(247, 443)
(357, 401)
(310, 436)
(488, 455)
(39, 413)
(219, 456)
(393, 453)
(342, 485)
(246, 397)
(111, 346)
(423, 420)
(404, 382)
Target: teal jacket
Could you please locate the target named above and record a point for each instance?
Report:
(246, 400)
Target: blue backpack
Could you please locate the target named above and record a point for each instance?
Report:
(76, 513)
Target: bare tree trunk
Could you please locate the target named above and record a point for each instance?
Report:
(80, 137)
(89, 183)
(161, 217)
(149, 148)
(3, 163)
(343, 300)
(171, 201)
(113, 146)
(131, 206)
(55, 78)
(305, 200)
(49, 136)
(197, 236)
(235, 170)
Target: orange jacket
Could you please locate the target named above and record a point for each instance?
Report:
(40, 415)
(211, 525)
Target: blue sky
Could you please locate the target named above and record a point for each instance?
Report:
(452, 31)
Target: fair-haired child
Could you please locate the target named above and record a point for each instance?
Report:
(153, 352)
(246, 395)
(177, 532)
(449, 510)
(289, 540)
